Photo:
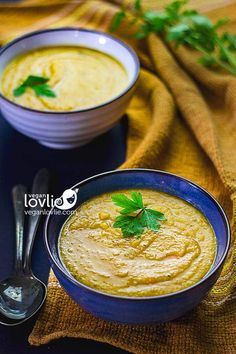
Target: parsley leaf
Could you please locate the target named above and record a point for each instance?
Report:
(35, 80)
(43, 90)
(128, 205)
(178, 32)
(183, 27)
(118, 18)
(19, 91)
(38, 84)
(137, 5)
(133, 225)
(129, 225)
(150, 217)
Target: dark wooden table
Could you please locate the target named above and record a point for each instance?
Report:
(20, 159)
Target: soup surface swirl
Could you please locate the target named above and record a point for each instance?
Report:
(80, 77)
(157, 263)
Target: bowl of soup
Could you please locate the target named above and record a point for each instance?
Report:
(153, 275)
(63, 87)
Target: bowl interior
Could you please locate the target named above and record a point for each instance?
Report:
(73, 37)
(157, 180)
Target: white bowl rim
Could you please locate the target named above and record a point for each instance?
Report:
(214, 268)
(79, 29)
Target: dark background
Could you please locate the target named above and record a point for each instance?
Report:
(20, 159)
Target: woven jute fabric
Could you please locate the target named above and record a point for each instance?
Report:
(182, 119)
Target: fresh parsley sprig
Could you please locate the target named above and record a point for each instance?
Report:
(184, 27)
(133, 225)
(38, 84)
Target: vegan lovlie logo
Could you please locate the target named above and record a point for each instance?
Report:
(67, 200)
(38, 203)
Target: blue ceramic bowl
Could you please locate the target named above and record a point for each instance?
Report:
(141, 309)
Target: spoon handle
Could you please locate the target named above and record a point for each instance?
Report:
(18, 197)
(40, 187)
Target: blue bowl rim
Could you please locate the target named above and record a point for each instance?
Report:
(69, 277)
(80, 29)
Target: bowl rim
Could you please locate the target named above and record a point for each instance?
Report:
(212, 270)
(79, 29)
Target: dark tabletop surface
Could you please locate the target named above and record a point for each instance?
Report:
(20, 159)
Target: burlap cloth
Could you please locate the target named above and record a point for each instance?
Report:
(183, 120)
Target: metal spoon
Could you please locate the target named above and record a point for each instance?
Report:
(22, 295)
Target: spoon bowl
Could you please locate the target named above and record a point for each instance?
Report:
(21, 297)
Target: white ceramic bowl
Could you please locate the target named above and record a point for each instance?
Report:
(64, 130)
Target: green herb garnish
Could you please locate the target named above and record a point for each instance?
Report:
(133, 225)
(184, 27)
(36, 83)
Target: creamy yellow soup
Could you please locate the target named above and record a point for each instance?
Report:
(80, 78)
(172, 259)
